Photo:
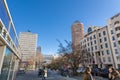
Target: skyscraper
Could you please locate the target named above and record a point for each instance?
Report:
(77, 32)
(28, 45)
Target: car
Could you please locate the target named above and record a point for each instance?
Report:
(81, 70)
(21, 71)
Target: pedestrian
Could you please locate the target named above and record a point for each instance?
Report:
(115, 75)
(87, 74)
(111, 70)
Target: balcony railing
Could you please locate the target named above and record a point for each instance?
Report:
(118, 32)
(117, 25)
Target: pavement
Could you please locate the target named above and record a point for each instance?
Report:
(52, 75)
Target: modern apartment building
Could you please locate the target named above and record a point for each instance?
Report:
(9, 46)
(28, 45)
(103, 43)
(77, 33)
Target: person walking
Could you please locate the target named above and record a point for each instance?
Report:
(111, 70)
(87, 74)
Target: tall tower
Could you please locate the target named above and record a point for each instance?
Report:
(77, 32)
(28, 45)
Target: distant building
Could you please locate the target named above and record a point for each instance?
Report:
(103, 43)
(77, 32)
(9, 46)
(28, 46)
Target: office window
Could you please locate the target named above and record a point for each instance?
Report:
(87, 38)
(90, 37)
(105, 39)
(104, 59)
(108, 52)
(94, 41)
(116, 51)
(91, 43)
(102, 52)
(113, 38)
(106, 45)
(99, 34)
(114, 44)
(104, 33)
(100, 40)
(92, 48)
(101, 46)
(109, 59)
(112, 32)
(95, 47)
(94, 36)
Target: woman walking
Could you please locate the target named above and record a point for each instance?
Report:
(87, 74)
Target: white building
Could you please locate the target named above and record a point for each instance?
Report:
(28, 45)
(103, 43)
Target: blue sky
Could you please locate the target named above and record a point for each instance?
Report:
(52, 19)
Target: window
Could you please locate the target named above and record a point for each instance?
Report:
(116, 22)
(92, 48)
(113, 38)
(109, 59)
(106, 45)
(91, 43)
(112, 32)
(104, 59)
(108, 52)
(101, 46)
(94, 41)
(116, 51)
(100, 40)
(104, 33)
(99, 34)
(95, 47)
(87, 38)
(88, 44)
(114, 44)
(105, 39)
(90, 37)
(102, 52)
(88, 49)
(94, 37)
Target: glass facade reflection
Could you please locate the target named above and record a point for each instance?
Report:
(3, 14)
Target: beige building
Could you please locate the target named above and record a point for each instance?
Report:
(77, 32)
(103, 43)
(9, 46)
(28, 45)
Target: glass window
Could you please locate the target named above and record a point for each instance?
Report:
(88, 44)
(109, 59)
(8, 65)
(113, 38)
(104, 59)
(116, 51)
(94, 37)
(106, 45)
(112, 32)
(101, 46)
(94, 41)
(100, 40)
(3, 14)
(102, 52)
(87, 38)
(95, 47)
(104, 33)
(99, 34)
(114, 44)
(92, 48)
(108, 52)
(105, 39)
(90, 37)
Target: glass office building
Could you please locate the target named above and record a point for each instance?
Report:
(9, 46)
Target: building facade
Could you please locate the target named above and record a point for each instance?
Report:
(28, 45)
(9, 46)
(103, 43)
(77, 33)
